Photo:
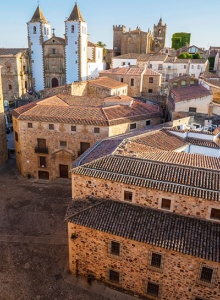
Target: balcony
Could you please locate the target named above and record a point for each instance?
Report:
(41, 150)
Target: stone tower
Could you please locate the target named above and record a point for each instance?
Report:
(117, 38)
(76, 46)
(3, 140)
(159, 34)
(38, 32)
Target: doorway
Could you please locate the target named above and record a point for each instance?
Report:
(64, 171)
(55, 82)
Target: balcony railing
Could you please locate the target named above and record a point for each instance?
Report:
(41, 150)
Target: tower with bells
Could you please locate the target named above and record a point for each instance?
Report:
(76, 46)
(39, 31)
(160, 31)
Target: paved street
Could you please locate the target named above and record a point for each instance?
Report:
(33, 239)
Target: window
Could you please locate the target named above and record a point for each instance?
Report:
(42, 161)
(115, 248)
(113, 276)
(53, 51)
(156, 260)
(75, 43)
(132, 81)
(16, 136)
(122, 79)
(72, 29)
(151, 79)
(10, 87)
(34, 30)
(51, 126)
(150, 66)
(128, 196)
(133, 126)
(30, 125)
(152, 289)
(183, 82)
(96, 130)
(73, 128)
(192, 109)
(192, 66)
(192, 82)
(215, 214)
(165, 204)
(76, 61)
(206, 274)
(184, 66)
(147, 122)
(160, 67)
(45, 30)
(8, 69)
(169, 67)
(63, 143)
(150, 91)
(198, 67)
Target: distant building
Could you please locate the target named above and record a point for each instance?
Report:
(180, 39)
(3, 140)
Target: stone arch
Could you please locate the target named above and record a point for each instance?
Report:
(55, 82)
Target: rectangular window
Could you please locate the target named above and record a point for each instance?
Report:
(147, 122)
(42, 161)
(192, 66)
(63, 143)
(10, 87)
(151, 79)
(96, 130)
(51, 126)
(192, 109)
(184, 66)
(73, 128)
(133, 126)
(115, 248)
(8, 69)
(16, 136)
(150, 66)
(113, 276)
(30, 125)
(160, 67)
(215, 214)
(152, 289)
(165, 204)
(132, 81)
(206, 274)
(156, 259)
(122, 79)
(128, 196)
(150, 91)
(198, 67)
(53, 51)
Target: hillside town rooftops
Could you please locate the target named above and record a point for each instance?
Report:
(146, 225)
(12, 51)
(107, 82)
(190, 92)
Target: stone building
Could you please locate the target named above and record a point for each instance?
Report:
(139, 80)
(51, 133)
(3, 140)
(145, 217)
(138, 41)
(57, 61)
(16, 78)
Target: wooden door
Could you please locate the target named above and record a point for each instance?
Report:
(43, 175)
(64, 171)
(84, 147)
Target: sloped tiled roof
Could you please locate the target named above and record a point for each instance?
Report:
(179, 179)
(38, 16)
(190, 92)
(187, 235)
(12, 51)
(107, 82)
(203, 143)
(76, 14)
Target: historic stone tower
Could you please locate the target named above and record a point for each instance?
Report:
(38, 32)
(76, 46)
(160, 31)
(117, 37)
(3, 140)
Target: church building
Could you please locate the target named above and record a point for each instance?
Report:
(56, 61)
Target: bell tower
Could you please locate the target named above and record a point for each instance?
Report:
(39, 30)
(76, 46)
(160, 31)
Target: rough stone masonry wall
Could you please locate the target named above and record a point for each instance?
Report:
(3, 140)
(84, 186)
(89, 253)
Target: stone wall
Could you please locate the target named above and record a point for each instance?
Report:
(65, 89)
(151, 87)
(178, 277)
(3, 140)
(84, 186)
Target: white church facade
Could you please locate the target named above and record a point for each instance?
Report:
(57, 61)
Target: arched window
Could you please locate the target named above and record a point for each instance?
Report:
(159, 32)
(34, 30)
(72, 28)
(45, 30)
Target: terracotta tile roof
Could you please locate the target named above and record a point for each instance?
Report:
(198, 61)
(107, 82)
(209, 75)
(150, 72)
(160, 139)
(127, 56)
(123, 71)
(77, 110)
(190, 181)
(152, 57)
(146, 225)
(203, 143)
(38, 16)
(190, 92)
(12, 51)
(177, 78)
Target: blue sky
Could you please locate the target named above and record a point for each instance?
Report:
(201, 18)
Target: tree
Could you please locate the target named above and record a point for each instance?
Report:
(101, 44)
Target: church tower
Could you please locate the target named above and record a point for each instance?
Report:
(39, 30)
(76, 46)
(160, 31)
(3, 140)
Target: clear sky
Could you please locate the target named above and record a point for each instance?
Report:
(200, 18)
